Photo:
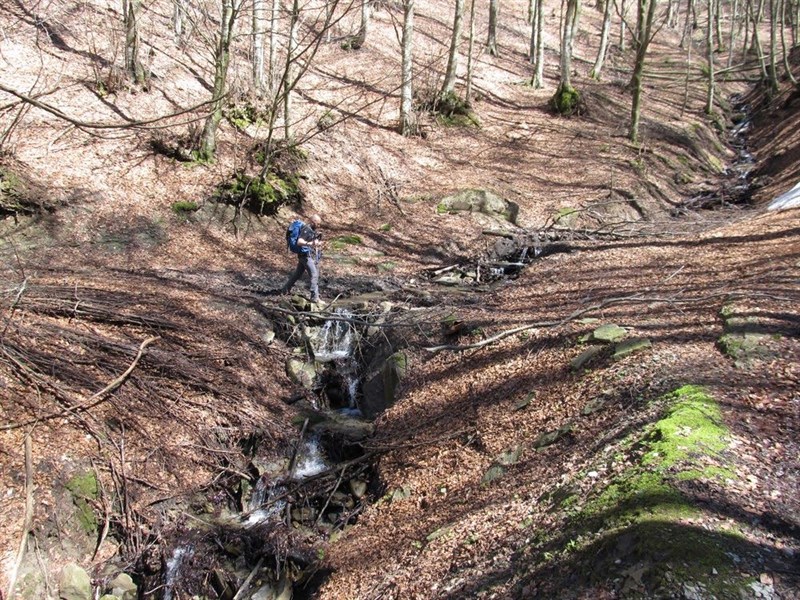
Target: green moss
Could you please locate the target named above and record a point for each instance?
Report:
(84, 489)
(341, 241)
(566, 101)
(262, 196)
(245, 114)
(691, 430)
(183, 206)
(11, 192)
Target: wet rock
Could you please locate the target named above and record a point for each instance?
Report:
(74, 584)
(380, 386)
(123, 587)
(301, 372)
(358, 488)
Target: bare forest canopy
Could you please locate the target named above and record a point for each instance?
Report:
(547, 223)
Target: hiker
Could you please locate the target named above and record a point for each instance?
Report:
(304, 240)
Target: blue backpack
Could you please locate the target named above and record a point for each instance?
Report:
(292, 235)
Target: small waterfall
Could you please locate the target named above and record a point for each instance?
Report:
(263, 493)
(173, 568)
(310, 460)
(335, 338)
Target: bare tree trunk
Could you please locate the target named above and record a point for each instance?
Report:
(710, 59)
(755, 19)
(538, 70)
(533, 22)
(491, 42)
(361, 37)
(732, 36)
(645, 11)
(623, 13)
(208, 141)
(718, 25)
(258, 47)
(471, 47)
(289, 78)
(772, 69)
(531, 12)
(566, 97)
(604, 33)
(178, 13)
(452, 58)
(408, 125)
(272, 78)
(784, 50)
(134, 67)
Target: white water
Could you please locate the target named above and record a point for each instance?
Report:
(335, 339)
(173, 566)
(309, 459)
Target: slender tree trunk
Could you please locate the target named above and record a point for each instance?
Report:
(258, 47)
(491, 42)
(784, 49)
(452, 57)
(290, 79)
(623, 13)
(361, 37)
(746, 39)
(408, 125)
(604, 33)
(178, 13)
(531, 12)
(772, 69)
(732, 36)
(538, 71)
(134, 67)
(756, 46)
(645, 12)
(710, 59)
(208, 141)
(274, 20)
(533, 22)
(718, 25)
(470, 48)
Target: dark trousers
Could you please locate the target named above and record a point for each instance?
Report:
(305, 263)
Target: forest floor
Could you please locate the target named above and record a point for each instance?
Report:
(131, 347)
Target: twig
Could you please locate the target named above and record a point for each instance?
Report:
(91, 402)
(330, 496)
(26, 522)
(246, 585)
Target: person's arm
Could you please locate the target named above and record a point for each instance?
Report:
(309, 243)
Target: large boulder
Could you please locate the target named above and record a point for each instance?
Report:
(480, 201)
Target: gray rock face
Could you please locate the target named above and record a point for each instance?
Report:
(74, 584)
(480, 201)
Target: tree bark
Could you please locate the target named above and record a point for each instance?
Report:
(408, 125)
(208, 141)
(290, 77)
(538, 70)
(134, 67)
(272, 78)
(452, 58)
(645, 11)
(491, 42)
(361, 37)
(258, 47)
(178, 13)
(604, 33)
(470, 48)
(710, 59)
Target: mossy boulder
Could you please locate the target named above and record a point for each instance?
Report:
(74, 583)
(84, 490)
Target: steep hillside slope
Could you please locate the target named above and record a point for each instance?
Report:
(148, 385)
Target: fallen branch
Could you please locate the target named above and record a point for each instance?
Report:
(90, 402)
(635, 299)
(27, 519)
